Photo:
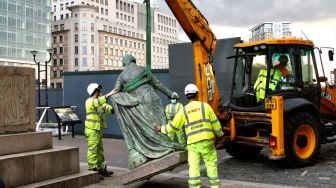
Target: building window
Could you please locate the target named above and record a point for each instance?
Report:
(61, 62)
(84, 50)
(76, 49)
(55, 74)
(84, 27)
(61, 38)
(62, 26)
(84, 61)
(62, 17)
(61, 72)
(76, 62)
(61, 50)
(106, 51)
(54, 39)
(84, 38)
(76, 26)
(55, 50)
(76, 38)
(92, 50)
(55, 62)
(92, 26)
(58, 85)
(92, 38)
(106, 39)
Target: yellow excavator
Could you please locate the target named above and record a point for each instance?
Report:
(284, 115)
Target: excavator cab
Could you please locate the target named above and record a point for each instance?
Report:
(270, 68)
(274, 101)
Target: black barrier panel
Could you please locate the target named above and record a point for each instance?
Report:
(75, 94)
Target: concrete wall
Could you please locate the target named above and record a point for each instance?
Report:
(17, 100)
(75, 84)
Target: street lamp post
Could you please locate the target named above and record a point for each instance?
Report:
(34, 52)
(50, 50)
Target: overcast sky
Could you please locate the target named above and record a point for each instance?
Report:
(234, 18)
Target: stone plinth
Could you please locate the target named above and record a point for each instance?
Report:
(17, 99)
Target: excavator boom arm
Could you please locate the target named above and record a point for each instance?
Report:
(204, 44)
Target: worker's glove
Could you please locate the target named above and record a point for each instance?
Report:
(174, 95)
(157, 128)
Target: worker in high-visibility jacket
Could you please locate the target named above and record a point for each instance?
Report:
(201, 125)
(171, 110)
(96, 108)
(260, 84)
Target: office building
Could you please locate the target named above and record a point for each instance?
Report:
(24, 26)
(90, 35)
(269, 30)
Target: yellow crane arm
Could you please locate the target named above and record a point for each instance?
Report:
(204, 44)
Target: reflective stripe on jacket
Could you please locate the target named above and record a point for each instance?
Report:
(95, 113)
(172, 109)
(199, 121)
(260, 84)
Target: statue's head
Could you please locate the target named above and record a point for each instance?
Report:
(127, 59)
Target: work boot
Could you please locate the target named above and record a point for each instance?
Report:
(104, 172)
(101, 177)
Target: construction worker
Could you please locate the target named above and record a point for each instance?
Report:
(200, 125)
(260, 84)
(171, 110)
(283, 61)
(96, 108)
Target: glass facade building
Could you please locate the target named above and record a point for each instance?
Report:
(24, 26)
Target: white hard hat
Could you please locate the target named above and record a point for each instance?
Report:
(190, 89)
(92, 87)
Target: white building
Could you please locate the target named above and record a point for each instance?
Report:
(269, 30)
(95, 34)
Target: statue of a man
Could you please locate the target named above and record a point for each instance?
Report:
(138, 107)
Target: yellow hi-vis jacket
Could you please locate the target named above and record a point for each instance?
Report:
(199, 121)
(95, 113)
(172, 109)
(260, 84)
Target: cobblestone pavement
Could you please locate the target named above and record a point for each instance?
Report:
(263, 170)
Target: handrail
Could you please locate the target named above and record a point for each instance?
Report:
(45, 109)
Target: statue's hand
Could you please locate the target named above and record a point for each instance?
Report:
(174, 95)
(157, 128)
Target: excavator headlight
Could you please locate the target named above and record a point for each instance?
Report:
(263, 47)
(256, 48)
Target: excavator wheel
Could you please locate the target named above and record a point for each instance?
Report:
(240, 151)
(302, 140)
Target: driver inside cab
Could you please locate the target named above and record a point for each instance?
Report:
(283, 61)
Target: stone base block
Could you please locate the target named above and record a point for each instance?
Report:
(29, 167)
(84, 178)
(24, 142)
(155, 167)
